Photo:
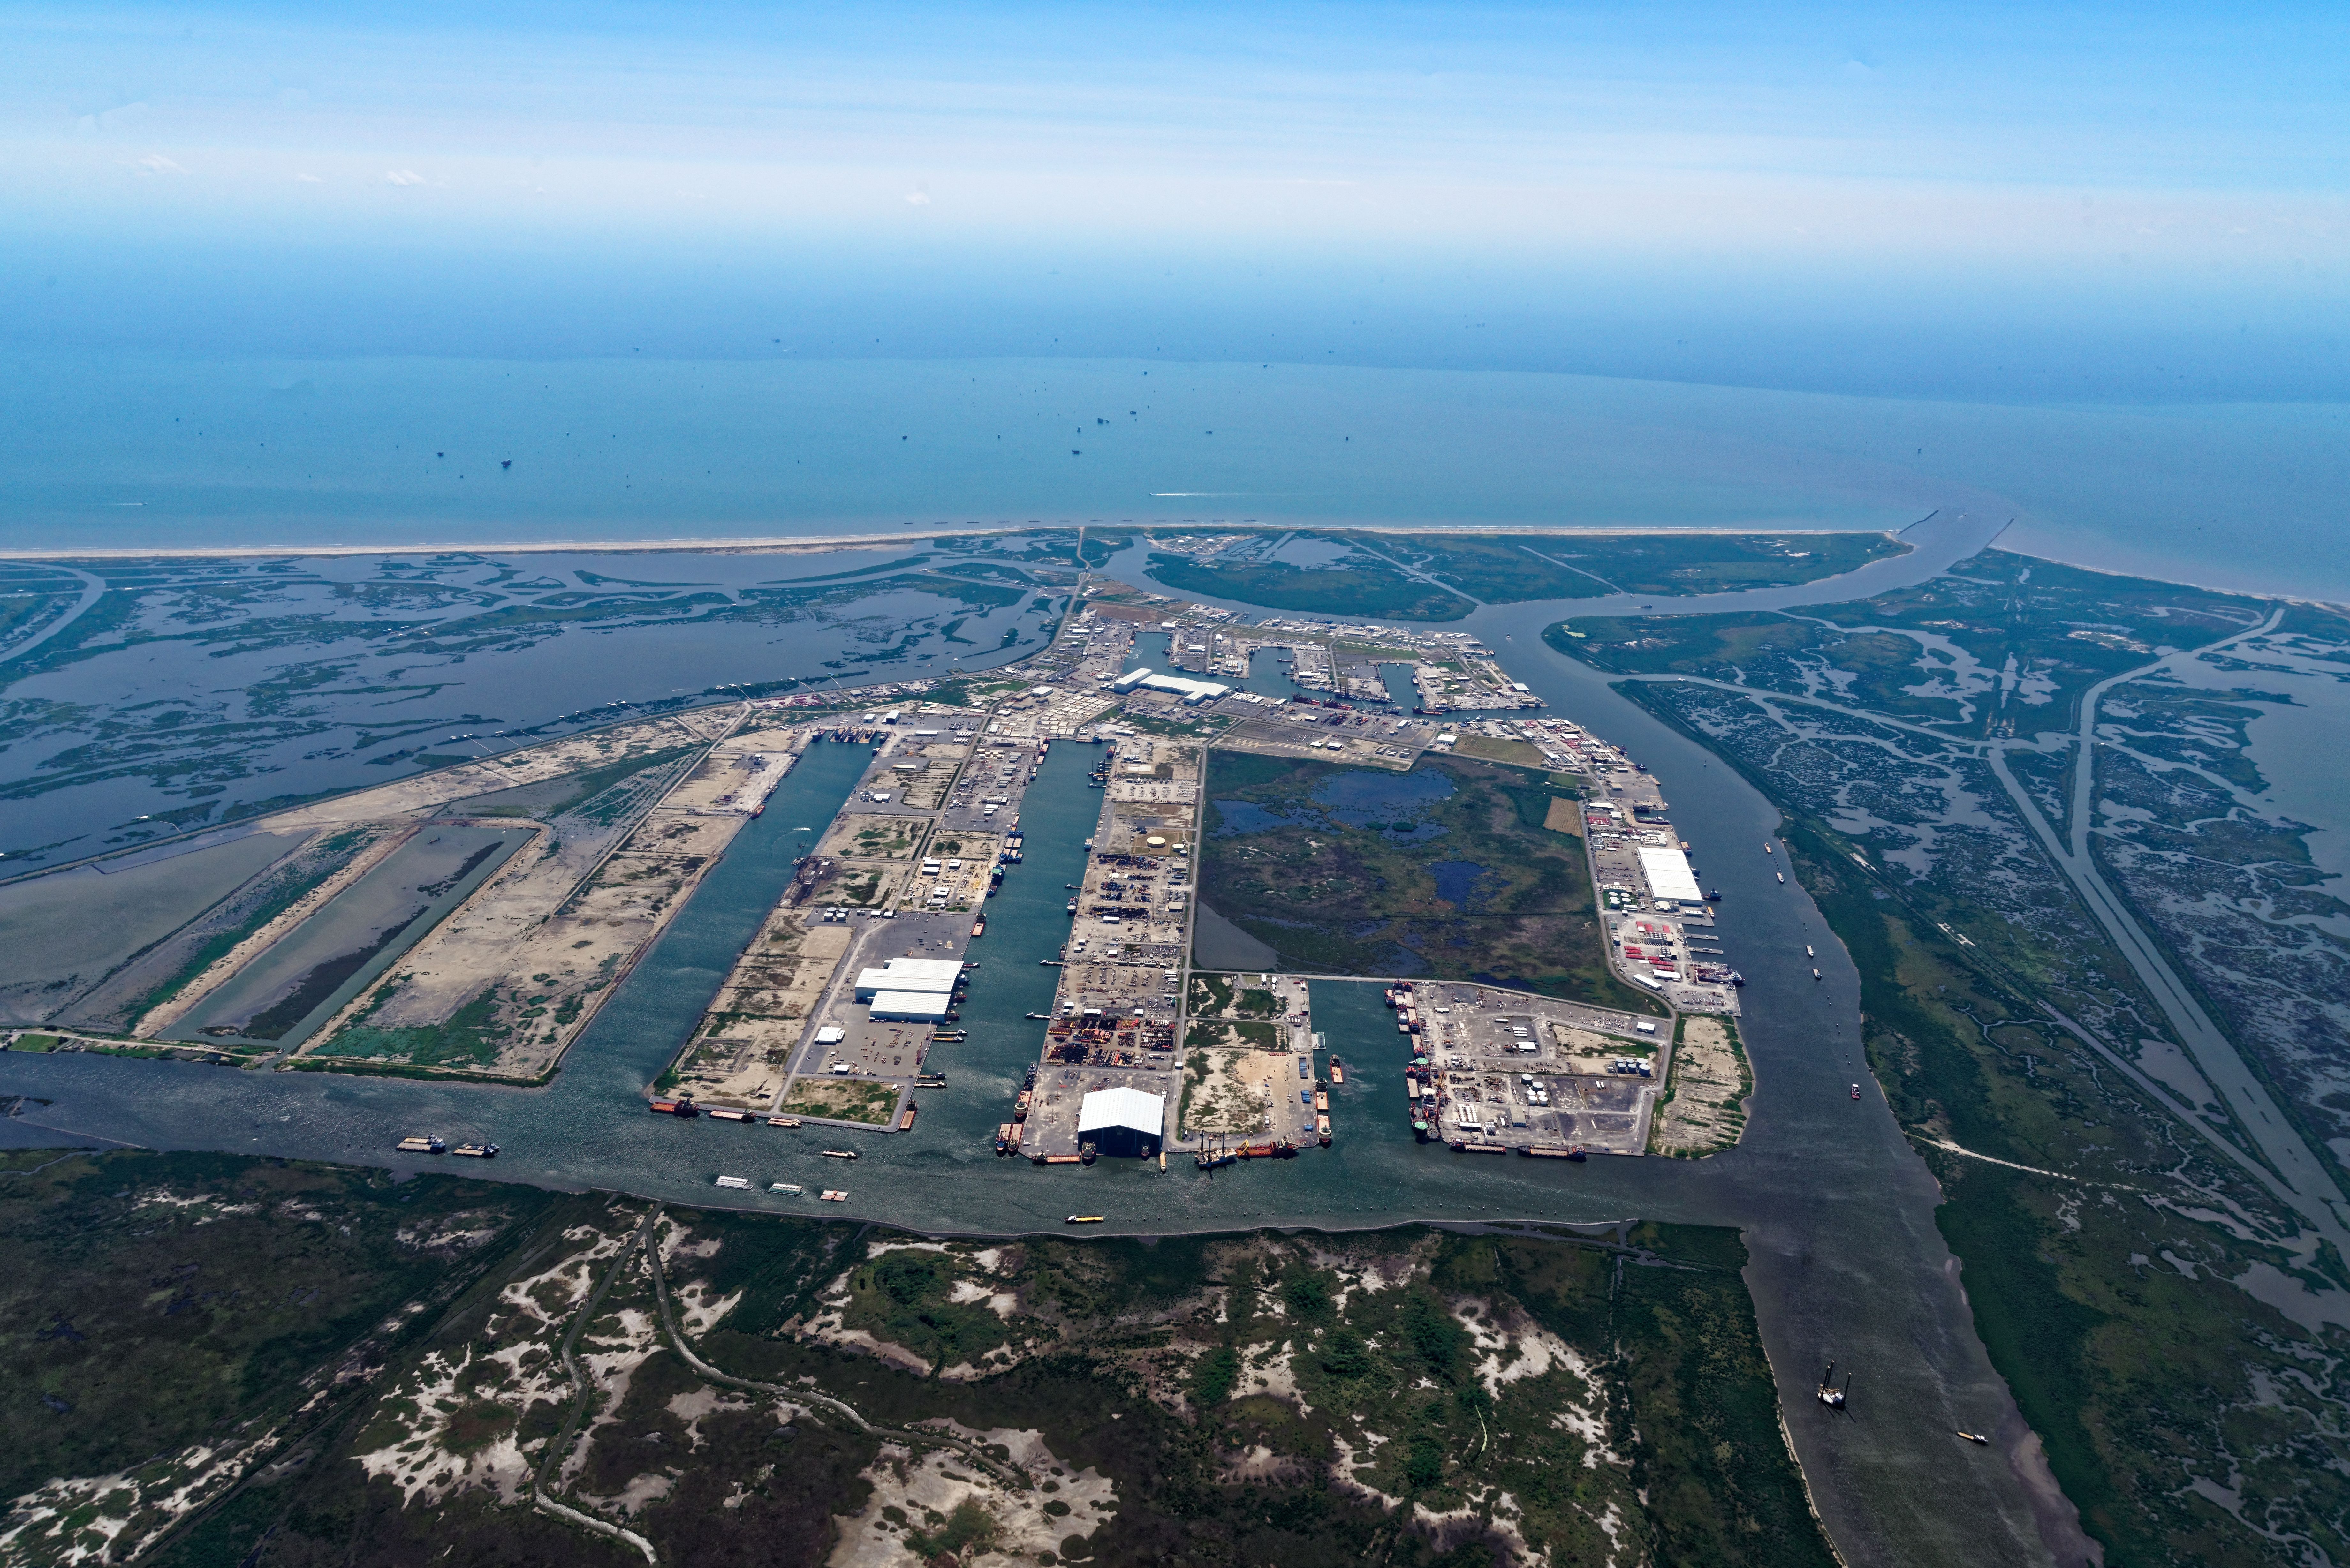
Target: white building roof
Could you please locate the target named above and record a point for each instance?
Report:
(1180, 685)
(1668, 875)
(831, 1034)
(900, 968)
(872, 979)
(1123, 1108)
(908, 1004)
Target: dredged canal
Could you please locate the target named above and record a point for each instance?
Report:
(1837, 1209)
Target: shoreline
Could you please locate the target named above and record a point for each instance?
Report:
(790, 544)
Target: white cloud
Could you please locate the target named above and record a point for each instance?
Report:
(403, 177)
(308, 179)
(156, 163)
(917, 198)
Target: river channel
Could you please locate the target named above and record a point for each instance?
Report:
(1837, 1209)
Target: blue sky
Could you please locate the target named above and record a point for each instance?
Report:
(2031, 203)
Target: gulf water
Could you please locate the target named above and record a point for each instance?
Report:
(111, 453)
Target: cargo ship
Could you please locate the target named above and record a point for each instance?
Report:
(1322, 1129)
(833, 1194)
(783, 1121)
(736, 1183)
(672, 1109)
(906, 1117)
(421, 1146)
(791, 1187)
(1462, 1146)
(840, 1154)
(1551, 1151)
(1084, 1219)
(1337, 1070)
(727, 1114)
(476, 1150)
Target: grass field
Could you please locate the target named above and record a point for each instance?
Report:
(842, 1099)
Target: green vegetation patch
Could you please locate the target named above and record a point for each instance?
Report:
(1360, 584)
(154, 1301)
(1511, 569)
(1448, 871)
(843, 1100)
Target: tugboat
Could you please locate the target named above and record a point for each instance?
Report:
(1828, 1394)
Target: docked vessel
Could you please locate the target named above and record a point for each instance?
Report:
(783, 1121)
(476, 1150)
(1337, 1070)
(672, 1109)
(421, 1146)
(1552, 1151)
(728, 1113)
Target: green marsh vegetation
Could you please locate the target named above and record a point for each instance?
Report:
(1937, 653)
(1435, 576)
(2110, 1311)
(1447, 871)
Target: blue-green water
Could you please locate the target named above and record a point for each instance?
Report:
(104, 453)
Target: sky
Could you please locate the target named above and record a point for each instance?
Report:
(2001, 202)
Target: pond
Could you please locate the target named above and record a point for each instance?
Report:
(1455, 881)
(1235, 816)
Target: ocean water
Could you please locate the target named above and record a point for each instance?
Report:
(98, 452)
